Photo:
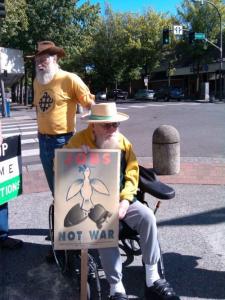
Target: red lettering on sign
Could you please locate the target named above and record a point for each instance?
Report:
(106, 158)
(81, 158)
(91, 158)
(69, 159)
(94, 158)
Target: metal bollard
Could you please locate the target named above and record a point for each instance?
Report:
(166, 150)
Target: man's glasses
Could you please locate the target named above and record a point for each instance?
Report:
(42, 58)
(109, 125)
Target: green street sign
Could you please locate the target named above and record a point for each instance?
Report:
(199, 36)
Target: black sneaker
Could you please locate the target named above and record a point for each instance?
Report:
(161, 290)
(118, 296)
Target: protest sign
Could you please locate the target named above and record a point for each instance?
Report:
(86, 199)
(10, 169)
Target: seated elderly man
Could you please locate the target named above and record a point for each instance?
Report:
(103, 133)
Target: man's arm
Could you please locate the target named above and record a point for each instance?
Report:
(131, 180)
(82, 93)
(131, 176)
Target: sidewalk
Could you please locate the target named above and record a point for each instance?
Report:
(200, 171)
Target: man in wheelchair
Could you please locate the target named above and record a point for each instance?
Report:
(103, 133)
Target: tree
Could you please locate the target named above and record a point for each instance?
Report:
(126, 46)
(16, 21)
(204, 19)
(61, 21)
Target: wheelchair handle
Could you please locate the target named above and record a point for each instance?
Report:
(149, 183)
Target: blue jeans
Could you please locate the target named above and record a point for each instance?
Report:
(4, 226)
(48, 144)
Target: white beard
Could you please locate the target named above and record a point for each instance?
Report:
(45, 76)
(110, 143)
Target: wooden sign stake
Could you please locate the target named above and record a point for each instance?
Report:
(84, 274)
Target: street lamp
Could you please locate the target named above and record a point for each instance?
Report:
(220, 48)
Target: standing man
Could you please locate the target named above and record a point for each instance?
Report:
(56, 96)
(5, 241)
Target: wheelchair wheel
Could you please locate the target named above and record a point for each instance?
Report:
(93, 282)
(61, 256)
(132, 246)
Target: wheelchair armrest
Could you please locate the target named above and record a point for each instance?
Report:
(149, 183)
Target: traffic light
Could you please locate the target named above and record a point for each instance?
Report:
(166, 36)
(2, 8)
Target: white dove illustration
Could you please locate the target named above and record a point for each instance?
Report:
(85, 187)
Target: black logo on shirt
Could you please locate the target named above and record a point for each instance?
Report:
(45, 102)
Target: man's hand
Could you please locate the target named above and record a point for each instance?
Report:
(123, 207)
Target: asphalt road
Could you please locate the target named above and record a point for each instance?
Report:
(201, 126)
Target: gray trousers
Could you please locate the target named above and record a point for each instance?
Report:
(142, 219)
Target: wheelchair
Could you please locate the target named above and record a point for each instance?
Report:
(69, 261)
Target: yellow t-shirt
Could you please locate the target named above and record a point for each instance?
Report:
(57, 101)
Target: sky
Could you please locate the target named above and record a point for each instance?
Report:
(138, 6)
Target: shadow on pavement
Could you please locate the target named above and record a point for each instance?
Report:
(211, 217)
(27, 276)
(29, 231)
(190, 280)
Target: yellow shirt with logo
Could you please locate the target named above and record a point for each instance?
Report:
(57, 101)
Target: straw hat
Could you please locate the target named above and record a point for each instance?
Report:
(105, 113)
(48, 47)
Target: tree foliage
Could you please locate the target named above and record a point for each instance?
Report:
(126, 46)
(111, 48)
(205, 19)
(62, 21)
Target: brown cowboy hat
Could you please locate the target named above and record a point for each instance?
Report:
(48, 47)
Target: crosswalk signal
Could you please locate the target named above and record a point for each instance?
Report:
(166, 36)
(2, 9)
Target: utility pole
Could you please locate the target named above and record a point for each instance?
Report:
(220, 48)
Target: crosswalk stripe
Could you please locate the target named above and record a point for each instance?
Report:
(122, 108)
(138, 106)
(18, 125)
(29, 141)
(21, 133)
(30, 152)
(20, 128)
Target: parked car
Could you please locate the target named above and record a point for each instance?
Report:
(167, 93)
(144, 95)
(117, 94)
(101, 96)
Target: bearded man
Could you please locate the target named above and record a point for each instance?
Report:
(56, 95)
(103, 132)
